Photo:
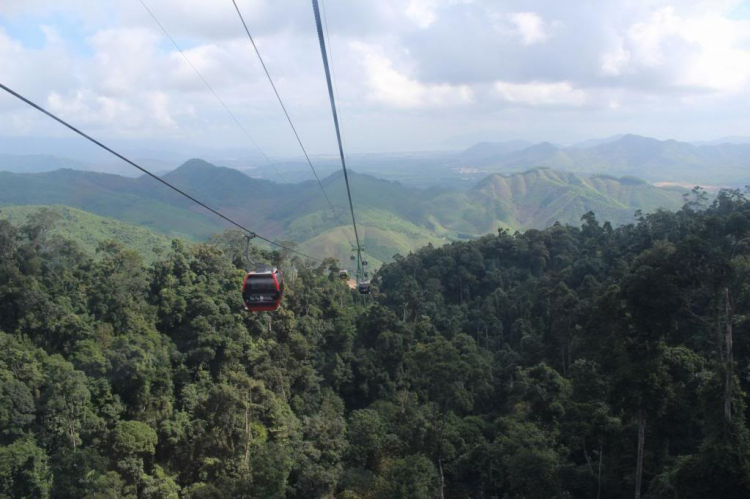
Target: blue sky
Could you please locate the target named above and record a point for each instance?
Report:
(412, 74)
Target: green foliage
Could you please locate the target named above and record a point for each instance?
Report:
(89, 230)
(516, 366)
(24, 472)
(412, 476)
(134, 438)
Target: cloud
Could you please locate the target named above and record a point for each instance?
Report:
(528, 27)
(422, 12)
(703, 51)
(124, 59)
(87, 107)
(394, 88)
(615, 61)
(541, 94)
(440, 67)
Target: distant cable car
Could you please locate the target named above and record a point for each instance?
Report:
(364, 287)
(262, 289)
(364, 262)
(352, 258)
(343, 275)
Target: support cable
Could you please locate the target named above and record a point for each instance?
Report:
(321, 39)
(286, 113)
(337, 96)
(211, 89)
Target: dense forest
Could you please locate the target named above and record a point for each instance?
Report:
(571, 362)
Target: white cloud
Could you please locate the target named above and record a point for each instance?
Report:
(528, 27)
(160, 110)
(394, 88)
(85, 106)
(723, 60)
(540, 94)
(422, 12)
(614, 62)
(705, 50)
(124, 59)
(109, 67)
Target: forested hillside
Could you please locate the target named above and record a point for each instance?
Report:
(394, 218)
(89, 230)
(565, 362)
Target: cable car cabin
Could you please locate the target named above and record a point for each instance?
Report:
(262, 290)
(343, 275)
(364, 287)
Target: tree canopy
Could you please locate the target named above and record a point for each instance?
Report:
(568, 362)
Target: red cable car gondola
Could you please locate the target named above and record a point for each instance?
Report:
(262, 290)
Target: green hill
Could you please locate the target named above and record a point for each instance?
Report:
(393, 218)
(88, 230)
(127, 199)
(542, 196)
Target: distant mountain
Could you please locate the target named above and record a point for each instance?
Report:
(467, 139)
(723, 140)
(149, 150)
(596, 142)
(392, 218)
(484, 150)
(127, 199)
(36, 163)
(633, 155)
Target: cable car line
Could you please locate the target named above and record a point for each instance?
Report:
(210, 88)
(335, 80)
(333, 66)
(363, 286)
(155, 177)
(321, 39)
(286, 113)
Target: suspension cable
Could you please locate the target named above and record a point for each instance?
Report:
(155, 177)
(210, 88)
(321, 39)
(337, 96)
(286, 113)
(333, 70)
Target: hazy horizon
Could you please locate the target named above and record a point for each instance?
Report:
(76, 148)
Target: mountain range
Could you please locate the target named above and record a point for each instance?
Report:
(633, 155)
(722, 162)
(393, 218)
